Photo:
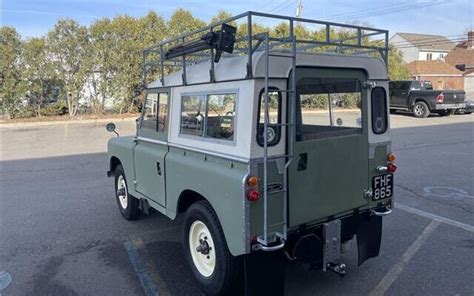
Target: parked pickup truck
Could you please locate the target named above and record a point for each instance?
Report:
(420, 98)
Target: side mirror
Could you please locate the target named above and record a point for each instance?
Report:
(110, 127)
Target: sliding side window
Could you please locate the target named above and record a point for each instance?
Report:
(209, 116)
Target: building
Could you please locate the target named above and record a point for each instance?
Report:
(421, 47)
(462, 57)
(441, 74)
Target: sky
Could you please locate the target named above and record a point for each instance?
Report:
(451, 18)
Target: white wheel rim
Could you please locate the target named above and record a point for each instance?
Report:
(123, 198)
(205, 262)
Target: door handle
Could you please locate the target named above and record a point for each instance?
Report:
(158, 168)
(302, 161)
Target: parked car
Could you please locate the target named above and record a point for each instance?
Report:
(467, 109)
(229, 145)
(420, 100)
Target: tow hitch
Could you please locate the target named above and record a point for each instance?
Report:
(332, 248)
(340, 268)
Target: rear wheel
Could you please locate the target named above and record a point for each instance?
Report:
(128, 205)
(421, 110)
(214, 267)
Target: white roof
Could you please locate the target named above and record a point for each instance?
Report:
(232, 68)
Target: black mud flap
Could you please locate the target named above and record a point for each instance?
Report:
(265, 273)
(369, 236)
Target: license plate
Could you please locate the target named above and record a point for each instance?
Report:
(382, 186)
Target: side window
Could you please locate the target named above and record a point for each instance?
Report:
(274, 117)
(155, 113)
(209, 116)
(150, 112)
(379, 110)
(221, 116)
(193, 112)
(163, 112)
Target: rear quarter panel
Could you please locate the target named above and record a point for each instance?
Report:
(220, 182)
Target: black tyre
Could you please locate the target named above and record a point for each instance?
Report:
(421, 110)
(216, 270)
(128, 205)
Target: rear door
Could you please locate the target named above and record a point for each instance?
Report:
(399, 93)
(329, 173)
(152, 146)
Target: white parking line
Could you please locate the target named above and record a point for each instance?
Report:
(397, 269)
(435, 217)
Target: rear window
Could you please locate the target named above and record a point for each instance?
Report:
(379, 110)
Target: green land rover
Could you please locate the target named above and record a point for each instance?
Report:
(250, 136)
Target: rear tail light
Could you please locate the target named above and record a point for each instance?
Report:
(391, 157)
(391, 168)
(253, 195)
(252, 181)
(440, 98)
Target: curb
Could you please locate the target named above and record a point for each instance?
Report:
(18, 125)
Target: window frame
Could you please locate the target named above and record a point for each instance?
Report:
(154, 133)
(385, 113)
(279, 129)
(142, 115)
(204, 136)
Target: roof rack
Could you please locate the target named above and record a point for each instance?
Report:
(208, 43)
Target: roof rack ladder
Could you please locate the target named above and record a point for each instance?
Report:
(270, 237)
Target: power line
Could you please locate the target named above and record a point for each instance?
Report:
(428, 39)
(387, 10)
(433, 43)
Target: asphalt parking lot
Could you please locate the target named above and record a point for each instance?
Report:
(62, 234)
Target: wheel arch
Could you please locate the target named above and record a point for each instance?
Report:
(187, 198)
(419, 99)
(114, 162)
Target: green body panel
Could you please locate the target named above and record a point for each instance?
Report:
(334, 180)
(336, 173)
(149, 161)
(275, 203)
(220, 182)
(122, 148)
(379, 159)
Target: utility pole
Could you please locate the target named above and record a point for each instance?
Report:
(299, 8)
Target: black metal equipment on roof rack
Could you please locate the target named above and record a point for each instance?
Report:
(221, 41)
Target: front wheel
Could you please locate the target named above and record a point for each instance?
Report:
(214, 267)
(128, 205)
(421, 110)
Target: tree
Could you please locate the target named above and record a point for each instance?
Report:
(101, 64)
(182, 21)
(41, 78)
(397, 69)
(11, 84)
(222, 15)
(67, 46)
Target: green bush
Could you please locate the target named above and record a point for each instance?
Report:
(54, 109)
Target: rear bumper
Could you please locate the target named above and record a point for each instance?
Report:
(450, 106)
